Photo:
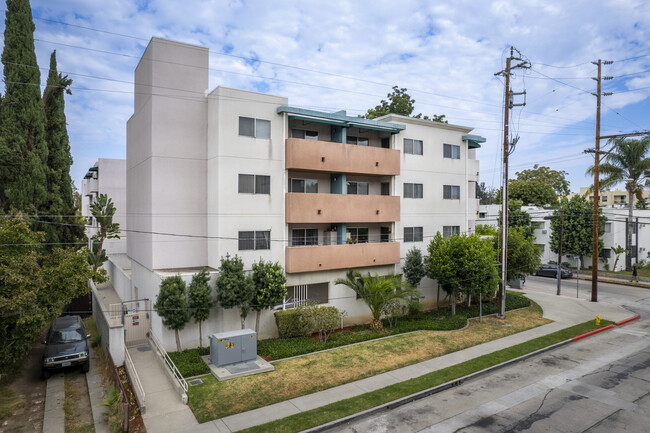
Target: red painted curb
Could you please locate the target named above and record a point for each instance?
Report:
(629, 319)
(595, 331)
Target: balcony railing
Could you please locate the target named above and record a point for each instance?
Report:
(326, 208)
(325, 156)
(328, 257)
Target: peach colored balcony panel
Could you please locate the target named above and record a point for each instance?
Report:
(341, 208)
(328, 257)
(331, 157)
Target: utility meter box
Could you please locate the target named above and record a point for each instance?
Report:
(233, 346)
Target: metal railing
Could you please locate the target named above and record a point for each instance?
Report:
(133, 375)
(172, 367)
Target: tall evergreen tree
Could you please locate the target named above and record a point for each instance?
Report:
(23, 149)
(60, 200)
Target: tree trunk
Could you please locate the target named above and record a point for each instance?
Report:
(438, 298)
(453, 302)
(628, 247)
(243, 322)
(178, 341)
(200, 335)
(469, 299)
(257, 322)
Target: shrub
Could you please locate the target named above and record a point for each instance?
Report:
(189, 361)
(324, 320)
(288, 322)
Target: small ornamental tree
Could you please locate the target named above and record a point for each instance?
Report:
(618, 250)
(523, 254)
(414, 267)
(200, 300)
(234, 288)
(103, 211)
(269, 285)
(171, 304)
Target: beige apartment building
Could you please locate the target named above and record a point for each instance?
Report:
(616, 198)
(228, 171)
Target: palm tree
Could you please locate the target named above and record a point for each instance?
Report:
(377, 291)
(627, 162)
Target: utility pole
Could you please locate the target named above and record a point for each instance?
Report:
(508, 148)
(559, 253)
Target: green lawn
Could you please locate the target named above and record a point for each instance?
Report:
(369, 400)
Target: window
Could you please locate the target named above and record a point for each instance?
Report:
(413, 147)
(385, 142)
(358, 188)
(255, 240)
(359, 141)
(256, 128)
(606, 253)
(304, 185)
(301, 237)
(385, 188)
(301, 133)
(358, 235)
(308, 292)
(608, 227)
(413, 190)
(384, 234)
(448, 231)
(603, 198)
(412, 234)
(451, 192)
(451, 151)
(254, 184)
(541, 247)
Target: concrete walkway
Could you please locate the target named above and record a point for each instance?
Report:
(54, 417)
(165, 412)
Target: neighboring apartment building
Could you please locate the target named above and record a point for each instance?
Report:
(615, 234)
(239, 172)
(107, 176)
(617, 198)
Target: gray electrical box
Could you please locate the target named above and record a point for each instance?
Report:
(232, 347)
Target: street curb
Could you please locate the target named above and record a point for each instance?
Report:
(453, 383)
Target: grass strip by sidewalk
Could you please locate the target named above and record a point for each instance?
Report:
(372, 399)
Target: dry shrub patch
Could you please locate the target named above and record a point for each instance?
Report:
(311, 373)
(78, 416)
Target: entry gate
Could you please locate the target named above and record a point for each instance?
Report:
(136, 318)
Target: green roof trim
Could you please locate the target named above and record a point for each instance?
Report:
(88, 175)
(340, 118)
(94, 168)
(473, 141)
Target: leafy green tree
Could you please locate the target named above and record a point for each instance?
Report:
(618, 250)
(532, 191)
(578, 225)
(627, 162)
(377, 291)
(35, 286)
(399, 102)
(321, 319)
(234, 288)
(103, 211)
(414, 267)
(462, 263)
(523, 255)
(23, 147)
(200, 300)
(485, 230)
(172, 306)
(60, 198)
(270, 287)
(641, 204)
(557, 179)
(518, 218)
(486, 194)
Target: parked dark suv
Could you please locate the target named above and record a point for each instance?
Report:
(66, 345)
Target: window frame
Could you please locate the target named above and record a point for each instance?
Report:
(411, 190)
(256, 179)
(256, 128)
(451, 189)
(449, 231)
(413, 234)
(263, 237)
(313, 237)
(356, 187)
(451, 154)
(304, 185)
(357, 236)
(409, 146)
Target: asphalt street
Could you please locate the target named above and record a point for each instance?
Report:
(598, 384)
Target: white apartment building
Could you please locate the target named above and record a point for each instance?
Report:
(616, 229)
(106, 176)
(238, 172)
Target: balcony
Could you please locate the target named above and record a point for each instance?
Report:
(325, 156)
(92, 185)
(333, 208)
(329, 257)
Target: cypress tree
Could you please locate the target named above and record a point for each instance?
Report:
(23, 149)
(59, 183)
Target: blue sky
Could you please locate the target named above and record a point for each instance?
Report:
(347, 55)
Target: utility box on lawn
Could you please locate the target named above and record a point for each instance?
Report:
(232, 347)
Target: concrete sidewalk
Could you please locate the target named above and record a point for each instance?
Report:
(565, 311)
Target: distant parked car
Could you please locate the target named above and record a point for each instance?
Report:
(66, 345)
(551, 271)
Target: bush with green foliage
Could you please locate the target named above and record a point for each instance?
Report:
(320, 319)
(172, 305)
(189, 361)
